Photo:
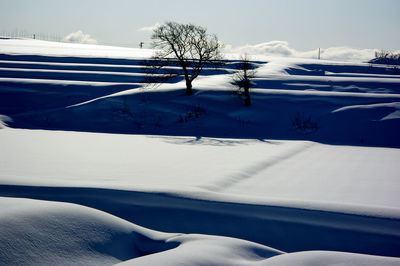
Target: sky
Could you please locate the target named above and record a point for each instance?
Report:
(300, 25)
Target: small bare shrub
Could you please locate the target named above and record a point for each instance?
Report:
(192, 114)
(304, 123)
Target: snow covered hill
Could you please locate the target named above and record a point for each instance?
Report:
(298, 99)
(307, 175)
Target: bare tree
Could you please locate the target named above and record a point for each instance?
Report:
(186, 45)
(242, 78)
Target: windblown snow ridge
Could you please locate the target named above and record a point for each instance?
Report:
(53, 233)
(308, 229)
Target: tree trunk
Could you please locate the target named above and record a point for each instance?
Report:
(247, 101)
(189, 90)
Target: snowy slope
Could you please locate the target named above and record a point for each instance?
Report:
(38, 47)
(353, 104)
(204, 164)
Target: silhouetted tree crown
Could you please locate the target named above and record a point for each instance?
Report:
(190, 45)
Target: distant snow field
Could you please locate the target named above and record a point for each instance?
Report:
(98, 169)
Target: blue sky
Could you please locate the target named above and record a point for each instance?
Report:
(304, 24)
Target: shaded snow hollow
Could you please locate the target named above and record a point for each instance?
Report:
(232, 185)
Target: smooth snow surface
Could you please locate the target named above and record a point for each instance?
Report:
(328, 258)
(288, 170)
(95, 166)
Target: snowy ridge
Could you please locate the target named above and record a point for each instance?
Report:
(91, 237)
(160, 211)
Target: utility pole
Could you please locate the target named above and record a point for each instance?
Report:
(319, 53)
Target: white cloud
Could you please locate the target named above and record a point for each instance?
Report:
(79, 37)
(279, 48)
(150, 28)
(282, 48)
(348, 54)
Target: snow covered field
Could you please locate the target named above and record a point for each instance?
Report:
(230, 184)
